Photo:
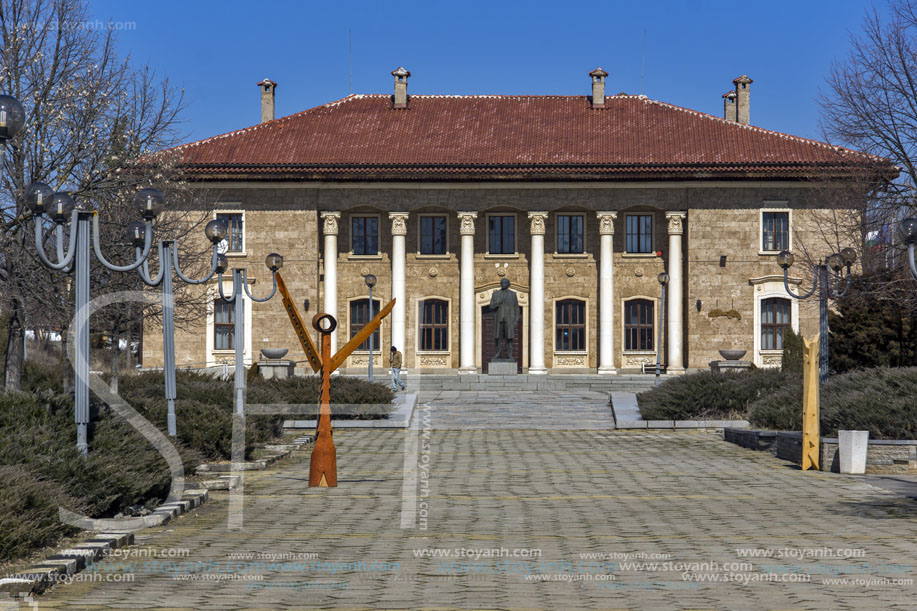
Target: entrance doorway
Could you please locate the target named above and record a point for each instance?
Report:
(488, 345)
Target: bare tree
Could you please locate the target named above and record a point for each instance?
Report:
(90, 117)
(871, 105)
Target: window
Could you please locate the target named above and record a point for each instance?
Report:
(359, 317)
(365, 235)
(223, 325)
(569, 233)
(638, 325)
(501, 233)
(432, 235)
(775, 231)
(434, 324)
(235, 236)
(639, 233)
(775, 317)
(570, 325)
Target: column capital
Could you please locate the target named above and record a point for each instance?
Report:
(399, 222)
(466, 222)
(675, 222)
(536, 220)
(331, 219)
(606, 222)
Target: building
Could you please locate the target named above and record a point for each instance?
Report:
(581, 201)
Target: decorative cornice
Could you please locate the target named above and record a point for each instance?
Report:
(606, 222)
(537, 220)
(466, 222)
(399, 222)
(331, 219)
(676, 222)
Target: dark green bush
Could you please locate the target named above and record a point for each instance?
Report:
(872, 329)
(708, 396)
(28, 512)
(205, 404)
(880, 400)
(791, 362)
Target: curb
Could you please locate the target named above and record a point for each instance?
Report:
(226, 471)
(67, 562)
(681, 424)
(398, 419)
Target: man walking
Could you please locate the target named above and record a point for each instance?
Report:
(395, 362)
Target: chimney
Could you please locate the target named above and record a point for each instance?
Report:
(267, 99)
(729, 106)
(743, 92)
(598, 87)
(401, 87)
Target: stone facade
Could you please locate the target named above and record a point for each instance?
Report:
(721, 219)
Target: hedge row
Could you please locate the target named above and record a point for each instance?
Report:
(880, 400)
(709, 396)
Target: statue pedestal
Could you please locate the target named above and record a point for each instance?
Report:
(502, 367)
(275, 369)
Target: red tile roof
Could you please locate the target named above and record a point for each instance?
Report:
(510, 138)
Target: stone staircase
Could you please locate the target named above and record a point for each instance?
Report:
(423, 383)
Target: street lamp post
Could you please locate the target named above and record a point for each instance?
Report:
(370, 281)
(907, 230)
(41, 199)
(663, 280)
(12, 117)
(826, 281)
(239, 284)
(168, 260)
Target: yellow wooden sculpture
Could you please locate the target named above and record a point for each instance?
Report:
(810, 427)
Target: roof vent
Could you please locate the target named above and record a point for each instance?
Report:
(401, 87)
(267, 87)
(598, 87)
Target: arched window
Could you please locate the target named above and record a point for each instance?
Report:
(433, 320)
(570, 326)
(359, 317)
(638, 325)
(775, 318)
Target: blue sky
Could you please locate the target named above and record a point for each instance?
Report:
(217, 51)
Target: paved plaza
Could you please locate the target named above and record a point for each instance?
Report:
(527, 517)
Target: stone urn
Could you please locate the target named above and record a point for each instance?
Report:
(278, 353)
(729, 355)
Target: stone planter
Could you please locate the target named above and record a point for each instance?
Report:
(852, 448)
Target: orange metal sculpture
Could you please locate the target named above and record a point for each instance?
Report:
(323, 464)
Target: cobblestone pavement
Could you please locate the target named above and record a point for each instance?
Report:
(529, 519)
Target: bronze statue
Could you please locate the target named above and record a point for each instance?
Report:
(506, 314)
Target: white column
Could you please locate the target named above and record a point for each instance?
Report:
(466, 293)
(399, 230)
(536, 294)
(330, 230)
(675, 360)
(606, 292)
